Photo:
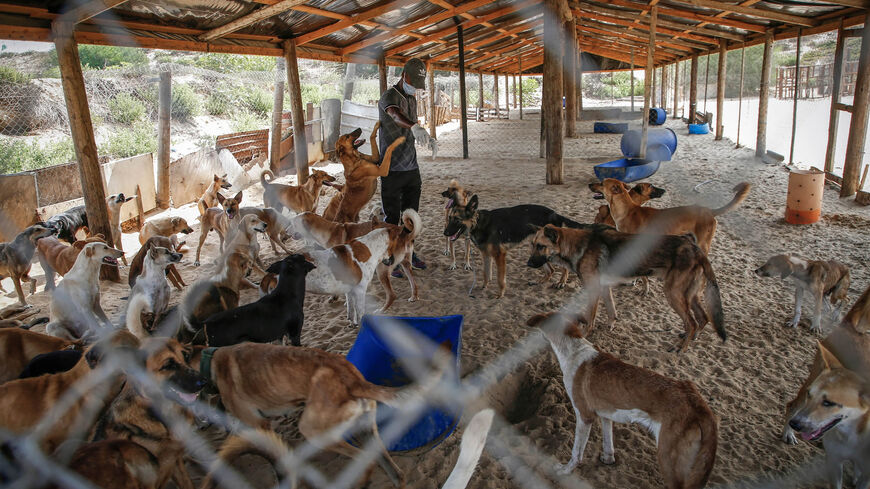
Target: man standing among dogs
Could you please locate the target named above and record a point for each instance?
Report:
(397, 111)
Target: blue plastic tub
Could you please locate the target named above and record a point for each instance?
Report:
(660, 145)
(626, 170)
(699, 128)
(657, 116)
(375, 359)
(610, 127)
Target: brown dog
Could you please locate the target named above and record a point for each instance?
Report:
(317, 230)
(603, 257)
(209, 198)
(361, 174)
(826, 281)
(25, 402)
(15, 258)
(57, 257)
(630, 217)
(218, 218)
(456, 194)
(274, 225)
(138, 262)
(640, 193)
(19, 346)
(298, 198)
(213, 295)
(165, 226)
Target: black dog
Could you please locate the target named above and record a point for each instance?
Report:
(67, 224)
(275, 315)
(495, 231)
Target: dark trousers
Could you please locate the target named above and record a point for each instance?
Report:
(400, 190)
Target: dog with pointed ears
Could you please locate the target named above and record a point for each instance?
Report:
(640, 194)
(297, 198)
(456, 194)
(209, 198)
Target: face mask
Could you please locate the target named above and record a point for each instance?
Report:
(409, 89)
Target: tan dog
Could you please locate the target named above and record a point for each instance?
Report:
(57, 257)
(826, 281)
(361, 174)
(217, 218)
(640, 194)
(601, 386)
(603, 257)
(209, 198)
(25, 402)
(850, 343)
(114, 203)
(165, 226)
(317, 230)
(245, 242)
(257, 381)
(274, 225)
(837, 411)
(136, 266)
(456, 194)
(297, 198)
(15, 258)
(19, 346)
(630, 217)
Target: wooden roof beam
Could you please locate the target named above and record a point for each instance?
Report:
(355, 19)
(756, 12)
(714, 35)
(625, 22)
(583, 26)
(686, 14)
(510, 32)
(250, 19)
(452, 52)
(89, 9)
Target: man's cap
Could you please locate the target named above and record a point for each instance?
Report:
(416, 71)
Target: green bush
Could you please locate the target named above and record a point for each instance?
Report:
(18, 155)
(104, 56)
(124, 108)
(11, 75)
(245, 120)
(314, 93)
(218, 103)
(139, 139)
(259, 101)
(185, 102)
(234, 63)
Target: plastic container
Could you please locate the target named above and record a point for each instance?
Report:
(699, 128)
(377, 362)
(657, 116)
(803, 203)
(626, 170)
(660, 145)
(610, 127)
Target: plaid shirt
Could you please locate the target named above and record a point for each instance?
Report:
(405, 155)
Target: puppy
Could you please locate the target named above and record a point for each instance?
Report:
(75, 304)
(165, 226)
(599, 385)
(114, 203)
(18, 347)
(209, 198)
(56, 257)
(15, 258)
(138, 262)
(640, 193)
(275, 316)
(150, 296)
(456, 194)
(297, 198)
(67, 224)
(827, 282)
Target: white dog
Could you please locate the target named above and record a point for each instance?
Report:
(150, 295)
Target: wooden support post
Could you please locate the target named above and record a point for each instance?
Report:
(647, 79)
(349, 77)
(551, 105)
(664, 94)
(520, 68)
(797, 78)
(480, 95)
(740, 94)
(720, 89)
(277, 113)
(763, 96)
(834, 118)
(433, 122)
(860, 113)
(140, 209)
(631, 87)
(495, 93)
(514, 91)
(570, 79)
(82, 131)
(653, 87)
(579, 82)
(300, 144)
(693, 89)
(706, 83)
(463, 94)
(382, 72)
(164, 121)
(507, 95)
(676, 88)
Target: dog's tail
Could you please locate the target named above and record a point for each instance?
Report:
(263, 177)
(398, 396)
(411, 220)
(713, 299)
(741, 191)
(700, 437)
(134, 317)
(858, 316)
(266, 444)
(35, 322)
(473, 441)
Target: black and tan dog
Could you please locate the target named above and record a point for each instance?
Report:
(827, 281)
(495, 231)
(604, 257)
(640, 194)
(15, 257)
(68, 223)
(456, 194)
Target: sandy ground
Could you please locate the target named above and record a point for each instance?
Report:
(746, 380)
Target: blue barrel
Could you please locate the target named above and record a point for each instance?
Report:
(657, 116)
(699, 128)
(610, 127)
(376, 361)
(626, 170)
(660, 145)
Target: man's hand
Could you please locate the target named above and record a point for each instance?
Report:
(420, 134)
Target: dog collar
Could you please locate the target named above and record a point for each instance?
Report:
(205, 362)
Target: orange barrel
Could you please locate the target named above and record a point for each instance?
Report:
(803, 205)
